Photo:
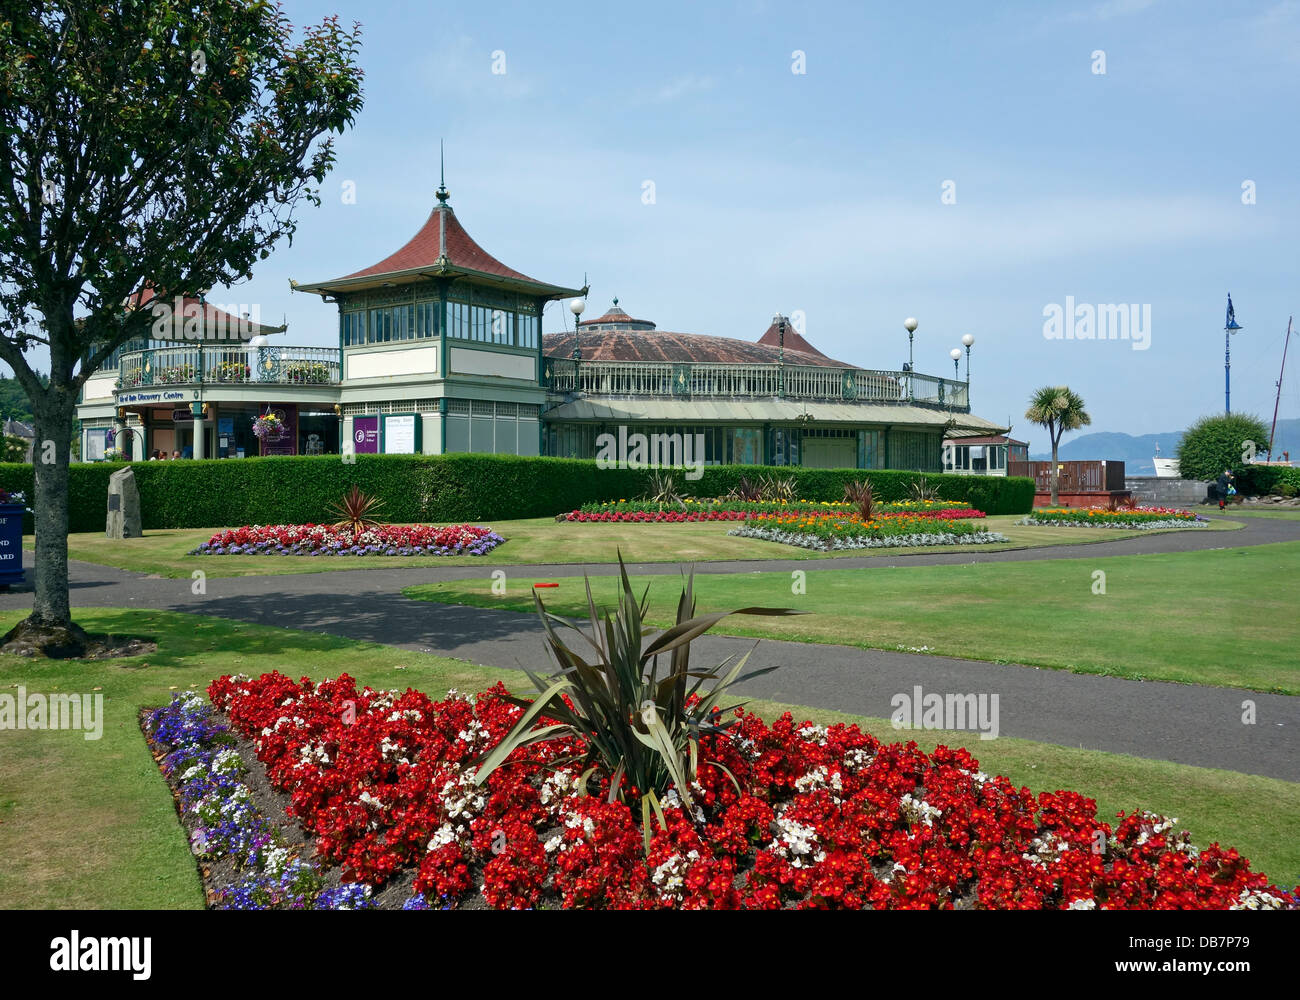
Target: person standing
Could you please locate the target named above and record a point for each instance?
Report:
(1225, 487)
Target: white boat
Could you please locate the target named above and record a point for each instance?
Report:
(1166, 468)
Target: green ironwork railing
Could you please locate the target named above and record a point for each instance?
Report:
(229, 366)
(720, 381)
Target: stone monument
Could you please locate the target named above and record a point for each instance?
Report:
(123, 505)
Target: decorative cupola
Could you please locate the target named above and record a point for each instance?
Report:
(615, 319)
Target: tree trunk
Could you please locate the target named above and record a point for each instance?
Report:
(1055, 495)
(50, 629)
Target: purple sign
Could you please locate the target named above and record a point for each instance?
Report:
(365, 435)
(285, 442)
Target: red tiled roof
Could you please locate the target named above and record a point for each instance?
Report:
(994, 439)
(793, 341)
(662, 345)
(615, 315)
(441, 230)
(213, 317)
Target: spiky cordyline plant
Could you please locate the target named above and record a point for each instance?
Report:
(861, 495)
(778, 490)
(663, 489)
(636, 724)
(746, 489)
(354, 511)
(922, 489)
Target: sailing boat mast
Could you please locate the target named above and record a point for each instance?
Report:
(1278, 400)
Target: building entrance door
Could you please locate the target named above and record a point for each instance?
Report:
(830, 453)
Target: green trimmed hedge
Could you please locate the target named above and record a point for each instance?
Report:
(1261, 480)
(227, 493)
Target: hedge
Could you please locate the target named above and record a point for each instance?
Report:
(1259, 480)
(461, 487)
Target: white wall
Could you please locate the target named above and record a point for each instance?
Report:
(99, 387)
(465, 361)
(386, 364)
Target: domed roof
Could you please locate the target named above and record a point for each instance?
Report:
(616, 336)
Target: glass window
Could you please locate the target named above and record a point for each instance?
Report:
(458, 320)
(527, 330)
(503, 327)
(426, 319)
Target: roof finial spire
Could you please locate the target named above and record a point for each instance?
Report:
(442, 175)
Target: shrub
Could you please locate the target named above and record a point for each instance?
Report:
(215, 493)
(1215, 443)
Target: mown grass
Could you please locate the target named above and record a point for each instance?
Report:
(91, 824)
(543, 541)
(1175, 617)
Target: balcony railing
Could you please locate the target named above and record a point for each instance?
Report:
(720, 381)
(193, 365)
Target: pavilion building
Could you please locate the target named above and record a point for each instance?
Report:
(440, 350)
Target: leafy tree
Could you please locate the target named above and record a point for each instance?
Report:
(14, 404)
(148, 145)
(1221, 441)
(1057, 409)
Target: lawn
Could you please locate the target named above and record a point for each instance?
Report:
(91, 824)
(1286, 513)
(1174, 617)
(541, 541)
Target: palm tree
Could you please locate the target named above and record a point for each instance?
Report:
(1058, 409)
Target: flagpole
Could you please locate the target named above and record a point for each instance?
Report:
(1278, 401)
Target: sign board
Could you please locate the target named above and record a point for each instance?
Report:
(96, 441)
(150, 397)
(11, 544)
(401, 433)
(365, 435)
(182, 416)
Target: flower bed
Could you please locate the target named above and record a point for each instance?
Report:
(638, 511)
(815, 818)
(226, 829)
(1140, 518)
(326, 540)
(832, 532)
(728, 504)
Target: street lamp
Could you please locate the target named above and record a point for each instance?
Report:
(780, 355)
(1230, 326)
(969, 341)
(576, 307)
(910, 324)
(955, 354)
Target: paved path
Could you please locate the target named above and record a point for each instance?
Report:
(1183, 723)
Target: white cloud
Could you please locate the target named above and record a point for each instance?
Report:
(683, 86)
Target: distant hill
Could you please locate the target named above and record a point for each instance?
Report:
(1136, 452)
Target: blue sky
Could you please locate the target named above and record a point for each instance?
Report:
(821, 191)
